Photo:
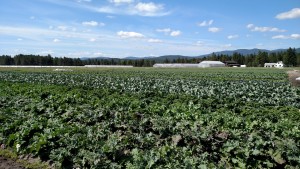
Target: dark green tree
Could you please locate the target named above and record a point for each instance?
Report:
(272, 57)
(261, 58)
(290, 57)
(298, 59)
(6, 60)
(238, 58)
(213, 56)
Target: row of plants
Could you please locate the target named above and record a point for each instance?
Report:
(165, 122)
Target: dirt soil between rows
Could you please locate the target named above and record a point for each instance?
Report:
(293, 74)
(6, 163)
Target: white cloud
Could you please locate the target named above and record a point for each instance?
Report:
(214, 29)
(254, 28)
(250, 26)
(107, 9)
(175, 33)
(149, 7)
(155, 41)
(110, 16)
(267, 29)
(232, 36)
(92, 23)
(56, 40)
(206, 23)
(92, 39)
(200, 43)
(123, 34)
(280, 37)
(101, 24)
(119, 2)
(62, 28)
(292, 36)
(98, 54)
(19, 39)
(292, 14)
(87, 31)
(166, 30)
(45, 52)
(42, 35)
(142, 9)
(84, 1)
(295, 36)
(119, 7)
(38, 39)
(169, 31)
(79, 54)
(227, 46)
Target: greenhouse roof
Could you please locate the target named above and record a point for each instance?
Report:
(212, 62)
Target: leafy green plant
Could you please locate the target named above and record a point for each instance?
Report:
(168, 118)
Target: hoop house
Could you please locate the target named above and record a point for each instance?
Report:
(211, 64)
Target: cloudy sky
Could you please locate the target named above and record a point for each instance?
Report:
(121, 28)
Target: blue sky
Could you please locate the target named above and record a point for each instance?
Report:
(121, 28)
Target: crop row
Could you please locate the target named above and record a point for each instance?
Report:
(271, 92)
(152, 119)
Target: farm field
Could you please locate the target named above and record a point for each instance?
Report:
(152, 118)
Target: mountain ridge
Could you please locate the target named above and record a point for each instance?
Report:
(172, 57)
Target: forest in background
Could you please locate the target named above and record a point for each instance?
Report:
(289, 57)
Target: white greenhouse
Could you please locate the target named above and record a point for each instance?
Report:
(211, 64)
(186, 65)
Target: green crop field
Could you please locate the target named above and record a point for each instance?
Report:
(152, 118)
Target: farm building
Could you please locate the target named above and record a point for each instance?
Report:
(269, 64)
(211, 64)
(232, 64)
(277, 65)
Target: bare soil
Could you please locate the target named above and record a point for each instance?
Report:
(6, 163)
(293, 74)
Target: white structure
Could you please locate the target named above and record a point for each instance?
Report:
(108, 66)
(277, 65)
(182, 65)
(211, 64)
(269, 64)
(243, 65)
(175, 65)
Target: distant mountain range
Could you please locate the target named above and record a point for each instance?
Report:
(251, 51)
(172, 57)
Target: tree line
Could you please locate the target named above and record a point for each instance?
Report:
(289, 57)
(37, 60)
(34, 60)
